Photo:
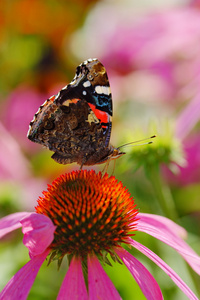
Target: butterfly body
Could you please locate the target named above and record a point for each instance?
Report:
(76, 123)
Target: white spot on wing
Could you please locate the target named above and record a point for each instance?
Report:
(84, 93)
(106, 90)
(88, 61)
(102, 90)
(86, 84)
(98, 89)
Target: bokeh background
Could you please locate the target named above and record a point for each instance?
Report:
(151, 50)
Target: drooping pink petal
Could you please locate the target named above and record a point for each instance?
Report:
(164, 224)
(11, 222)
(73, 286)
(38, 233)
(145, 280)
(171, 273)
(20, 284)
(99, 284)
(168, 232)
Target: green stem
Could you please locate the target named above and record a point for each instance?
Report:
(162, 193)
(194, 278)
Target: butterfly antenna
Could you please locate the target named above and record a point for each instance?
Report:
(139, 141)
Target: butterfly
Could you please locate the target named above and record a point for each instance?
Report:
(76, 123)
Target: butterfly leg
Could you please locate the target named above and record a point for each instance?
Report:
(105, 168)
(83, 162)
(113, 167)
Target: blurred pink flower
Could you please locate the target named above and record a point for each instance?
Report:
(195, 3)
(15, 169)
(160, 47)
(13, 164)
(191, 172)
(188, 118)
(185, 131)
(84, 214)
(18, 111)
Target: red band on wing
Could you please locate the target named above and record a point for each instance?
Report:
(101, 115)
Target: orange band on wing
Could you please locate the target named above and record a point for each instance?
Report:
(74, 100)
(52, 98)
(69, 101)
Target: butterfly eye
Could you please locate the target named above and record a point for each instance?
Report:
(49, 124)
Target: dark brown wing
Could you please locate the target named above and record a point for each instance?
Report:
(76, 123)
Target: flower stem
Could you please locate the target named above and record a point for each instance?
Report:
(194, 278)
(162, 193)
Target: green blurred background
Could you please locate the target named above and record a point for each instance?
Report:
(151, 52)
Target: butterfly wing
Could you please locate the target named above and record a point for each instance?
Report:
(91, 84)
(76, 123)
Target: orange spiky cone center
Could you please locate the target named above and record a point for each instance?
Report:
(93, 213)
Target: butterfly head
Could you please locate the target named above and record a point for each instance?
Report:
(116, 153)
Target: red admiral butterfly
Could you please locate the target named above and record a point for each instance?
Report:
(76, 123)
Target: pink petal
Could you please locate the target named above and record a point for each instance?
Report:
(171, 273)
(145, 280)
(188, 118)
(164, 224)
(38, 233)
(73, 286)
(11, 222)
(99, 284)
(168, 232)
(20, 284)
